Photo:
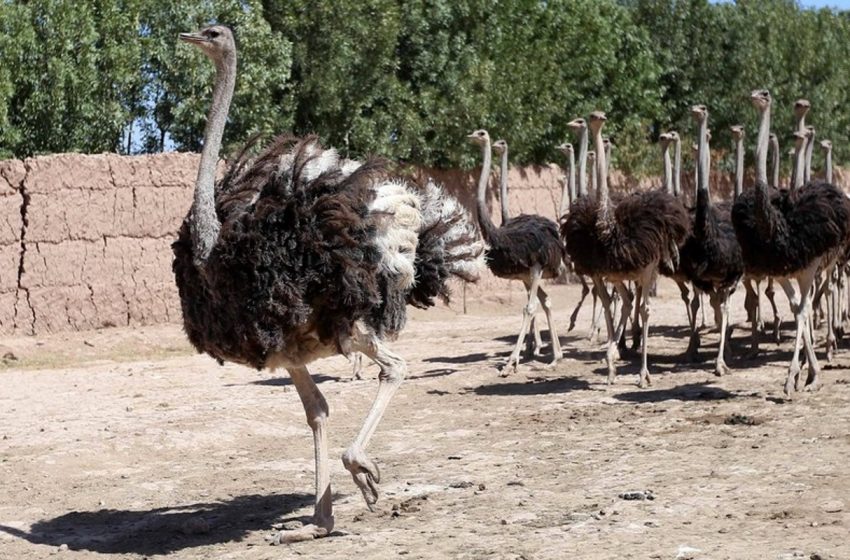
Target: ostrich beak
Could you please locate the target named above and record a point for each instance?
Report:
(194, 38)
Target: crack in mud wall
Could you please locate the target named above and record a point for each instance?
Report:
(85, 240)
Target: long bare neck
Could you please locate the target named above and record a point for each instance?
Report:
(593, 173)
(739, 166)
(668, 169)
(503, 186)
(204, 225)
(810, 144)
(677, 168)
(484, 221)
(568, 193)
(799, 163)
(582, 163)
(601, 175)
(828, 166)
(761, 145)
(703, 160)
(799, 126)
(774, 162)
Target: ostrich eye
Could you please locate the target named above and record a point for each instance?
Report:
(213, 34)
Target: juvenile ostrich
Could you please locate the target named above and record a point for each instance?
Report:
(711, 257)
(621, 243)
(524, 248)
(296, 255)
(790, 236)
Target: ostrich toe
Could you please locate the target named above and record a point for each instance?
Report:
(643, 379)
(365, 473)
(300, 534)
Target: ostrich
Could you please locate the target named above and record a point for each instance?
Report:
(501, 148)
(525, 248)
(711, 256)
(622, 243)
(790, 236)
(296, 255)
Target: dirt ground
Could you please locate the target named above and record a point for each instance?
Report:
(122, 443)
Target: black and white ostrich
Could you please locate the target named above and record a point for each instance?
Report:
(622, 243)
(711, 256)
(790, 235)
(525, 248)
(297, 254)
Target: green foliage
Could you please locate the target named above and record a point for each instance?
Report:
(408, 79)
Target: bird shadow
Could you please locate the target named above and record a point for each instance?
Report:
(437, 372)
(465, 359)
(540, 386)
(286, 381)
(163, 530)
(690, 392)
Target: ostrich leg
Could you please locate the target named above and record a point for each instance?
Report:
(585, 289)
(363, 470)
(722, 297)
(528, 311)
(625, 312)
(636, 321)
(801, 311)
(546, 303)
(533, 346)
(692, 353)
(642, 285)
(316, 409)
(751, 304)
(357, 365)
(599, 284)
(686, 297)
(777, 320)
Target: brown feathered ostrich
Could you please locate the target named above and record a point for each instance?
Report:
(622, 243)
(711, 256)
(296, 254)
(790, 235)
(535, 344)
(525, 248)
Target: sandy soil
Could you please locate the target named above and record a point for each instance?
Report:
(123, 444)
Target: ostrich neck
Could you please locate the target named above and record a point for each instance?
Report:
(503, 187)
(601, 176)
(761, 146)
(677, 168)
(810, 144)
(582, 163)
(702, 194)
(774, 162)
(204, 224)
(568, 193)
(668, 170)
(799, 163)
(739, 166)
(484, 221)
(828, 166)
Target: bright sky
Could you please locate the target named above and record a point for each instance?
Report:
(840, 4)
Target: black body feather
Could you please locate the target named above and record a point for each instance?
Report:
(523, 242)
(711, 257)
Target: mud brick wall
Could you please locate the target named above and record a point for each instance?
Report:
(85, 239)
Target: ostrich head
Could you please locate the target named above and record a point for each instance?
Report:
(699, 113)
(215, 41)
(480, 137)
(826, 145)
(664, 139)
(801, 107)
(737, 132)
(500, 146)
(577, 125)
(810, 132)
(773, 137)
(597, 120)
(673, 135)
(760, 98)
(566, 148)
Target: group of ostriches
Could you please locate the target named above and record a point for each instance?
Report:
(296, 254)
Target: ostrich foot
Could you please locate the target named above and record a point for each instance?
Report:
(721, 369)
(644, 380)
(508, 368)
(791, 380)
(320, 528)
(365, 473)
(813, 383)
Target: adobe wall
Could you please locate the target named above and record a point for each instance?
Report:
(85, 239)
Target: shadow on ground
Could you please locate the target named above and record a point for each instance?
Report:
(163, 530)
